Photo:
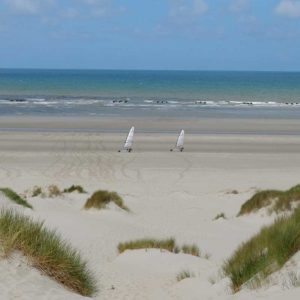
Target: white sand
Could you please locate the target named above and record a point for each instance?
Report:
(169, 195)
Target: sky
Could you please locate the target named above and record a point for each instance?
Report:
(151, 34)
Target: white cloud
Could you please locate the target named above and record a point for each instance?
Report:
(70, 13)
(238, 6)
(102, 8)
(185, 9)
(288, 8)
(30, 7)
(200, 7)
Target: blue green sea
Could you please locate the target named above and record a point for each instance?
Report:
(149, 93)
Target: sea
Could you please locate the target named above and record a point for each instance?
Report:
(134, 93)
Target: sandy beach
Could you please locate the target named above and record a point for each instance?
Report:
(169, 195)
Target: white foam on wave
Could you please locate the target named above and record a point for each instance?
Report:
(35, 99)
(146, 103)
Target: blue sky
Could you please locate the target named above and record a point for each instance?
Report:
(153, 34)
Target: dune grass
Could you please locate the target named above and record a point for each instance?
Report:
(74, 188)
(184, 274)
(166, 244)
(13, 196)
(54, 191)
(191, 249)
(266, 252)
(36, 191)
(276, 200)
(100, 199)
(219, 216)
(46, 251)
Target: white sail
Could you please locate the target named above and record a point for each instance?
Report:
(180, 140)
(129, 140)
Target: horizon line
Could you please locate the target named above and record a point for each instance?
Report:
(136, 69)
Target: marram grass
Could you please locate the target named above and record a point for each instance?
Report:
(74, 188)
(13, 196)
(46, 251)
(101, 199)
(266, 252)
(219, 216)
(165, 244)
(184, 274)
(276, 200)
(191, 249)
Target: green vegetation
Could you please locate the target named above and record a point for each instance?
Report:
(277, 200)
(184, 274)
(191, 249)
(221, 215)
(36, 191)
(74, 188)
(9, 193)
(101, 199)
(167, 244)
(265, 252)
(46, 251)
(53, 191)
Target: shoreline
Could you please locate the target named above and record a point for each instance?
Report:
(147, 125)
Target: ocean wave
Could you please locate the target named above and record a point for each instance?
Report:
(128, 102)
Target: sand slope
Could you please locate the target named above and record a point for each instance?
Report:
(169, 195)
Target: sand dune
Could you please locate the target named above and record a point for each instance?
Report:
(169, 195)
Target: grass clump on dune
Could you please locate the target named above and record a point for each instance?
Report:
(54, 191)
(101, 199)
(277, 200)
(191, 249)
(219, 216)
(266, 252)
(166, 244)
(13, 196)
(36, 191)
(184, 274)
(74, 188)
(46, 251)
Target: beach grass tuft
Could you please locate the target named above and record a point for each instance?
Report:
(219, 216)
(166, 244)
(13, 196)
(100, 199)
(36, 191)
(277, 200)
(46, 251)
(191, 249)
(266, 252)
(73, 188)
(184, 274)
(54, 191)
